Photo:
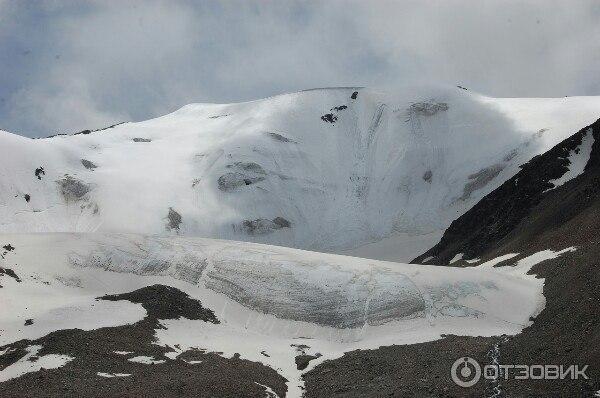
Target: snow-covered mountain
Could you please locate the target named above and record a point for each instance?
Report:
(345, 170)
(115, 284)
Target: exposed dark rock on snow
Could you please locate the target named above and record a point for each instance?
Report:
(93, 352)
(481, 179)
(139, 139)
(248, 167)
(329, 118)
(230, 181)
(28, 322)
(303, 360)
(427, 176)
(174, 220)
(354, 95)
(109, 127)
(339, 108)
(218, 116)
(73, 189)
(246, 173)
(262, 226)
(9, 272)
(279, 137)
(27, 197)
(88, 165)
(39, 172)
(511, 155)
(85, 132)
(8, 247)
(428, 108)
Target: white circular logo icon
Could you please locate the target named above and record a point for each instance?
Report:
(465, 372)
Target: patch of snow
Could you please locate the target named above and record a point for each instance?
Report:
(172, 354)
(26, 365)
(525, 264)
(578, 159)
(497, 260)
(102, 374)
(457, 257)
(269, 391)
(123, 352)
(146, 360)
(473, 261)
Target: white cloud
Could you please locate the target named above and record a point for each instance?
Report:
(98, 63)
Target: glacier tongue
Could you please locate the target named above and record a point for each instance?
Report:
(316, 288)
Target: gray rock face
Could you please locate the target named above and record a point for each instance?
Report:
(262, 226)
(428, 108)
(87, 164)
(279, 137)
(246, 173)
(249, 167)
(230, 181)
(427, 176)
(480, 179)
(73, 189)
(174, 220)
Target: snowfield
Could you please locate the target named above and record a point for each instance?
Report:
(380, 175)
(270, 300)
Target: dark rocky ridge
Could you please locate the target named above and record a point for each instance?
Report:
(489, 222)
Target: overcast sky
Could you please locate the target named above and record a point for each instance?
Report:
(66, 66)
